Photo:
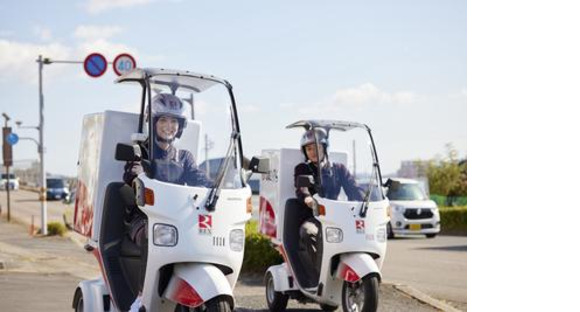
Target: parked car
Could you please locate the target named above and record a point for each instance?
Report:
(411, 211)
(13, 182)
(56, 188)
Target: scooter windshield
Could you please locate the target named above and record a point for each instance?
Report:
(192, 141)
(349, 171)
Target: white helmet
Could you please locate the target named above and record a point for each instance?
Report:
(308, 137)
(169, 105)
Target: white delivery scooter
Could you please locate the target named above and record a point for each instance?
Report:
(352, 234)
(195, 233)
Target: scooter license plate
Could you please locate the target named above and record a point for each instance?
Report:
(415, 227)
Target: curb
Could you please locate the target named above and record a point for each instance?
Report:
(421, 296)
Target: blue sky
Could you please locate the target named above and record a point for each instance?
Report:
(398, 66)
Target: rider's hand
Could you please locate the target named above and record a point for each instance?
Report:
(310, 202)
(132, 170)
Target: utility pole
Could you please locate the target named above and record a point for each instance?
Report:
(354, 158)
(207, 147)
(43, 216)
(7, 162)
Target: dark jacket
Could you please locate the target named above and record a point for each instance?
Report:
(171, 165)
(334, 177)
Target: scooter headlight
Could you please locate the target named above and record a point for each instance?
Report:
(237, 240)
(164, 235)
(333, 235)
(381, 235)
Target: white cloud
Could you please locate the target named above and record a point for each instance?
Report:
(91, 32)
(357, 99)
(98, 6)
(17, 59)
(43, 33)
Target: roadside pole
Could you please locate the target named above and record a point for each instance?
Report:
(43, 227)
(95, 65)
(7, 159)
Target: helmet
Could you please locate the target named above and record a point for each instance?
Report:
(308, 137)
(169, 105)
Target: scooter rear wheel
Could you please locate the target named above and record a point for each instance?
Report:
(276, 300)
(361, 296)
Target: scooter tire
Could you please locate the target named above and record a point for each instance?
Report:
(368, 287)
(277, 301)
(326, 307)
(218, 304)
(78, 301)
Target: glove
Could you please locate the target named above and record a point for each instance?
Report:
(132, 170)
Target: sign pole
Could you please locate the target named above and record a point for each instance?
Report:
(43, 225)
(7, 155)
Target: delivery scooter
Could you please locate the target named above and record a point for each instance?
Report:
(352, 238)
(195, 233)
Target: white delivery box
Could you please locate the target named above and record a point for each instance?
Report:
(97, 167)
(277, 187)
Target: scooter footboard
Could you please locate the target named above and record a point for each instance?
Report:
(192, 284)
(353, 267)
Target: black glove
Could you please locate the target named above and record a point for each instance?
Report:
(132, 170)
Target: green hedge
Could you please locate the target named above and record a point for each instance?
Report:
(453, 220)
(259, 253)
(55, 228)
(449, 200)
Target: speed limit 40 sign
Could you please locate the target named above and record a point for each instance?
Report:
(123, 64)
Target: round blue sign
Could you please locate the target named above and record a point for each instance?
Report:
(12, 138)
(95, 65)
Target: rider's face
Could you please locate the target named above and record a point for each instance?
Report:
(311, 152)
(167, 127)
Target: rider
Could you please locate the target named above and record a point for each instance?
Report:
(334, 177)
(170, 164)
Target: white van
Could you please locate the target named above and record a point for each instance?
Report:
(13, 182)
(410, 210)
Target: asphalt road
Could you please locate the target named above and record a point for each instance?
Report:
(24, 206)
(437, 267)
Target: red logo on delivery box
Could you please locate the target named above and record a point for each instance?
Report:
(360, 226)
(204, 222)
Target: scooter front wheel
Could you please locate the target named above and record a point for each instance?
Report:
(217, 304)
(361, 296)
(276, 300)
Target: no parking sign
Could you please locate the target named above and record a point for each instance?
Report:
(123, 64)
(95, 65)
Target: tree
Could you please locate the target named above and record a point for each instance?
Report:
(447, 176)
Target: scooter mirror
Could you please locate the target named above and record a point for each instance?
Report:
(259, 164)
(127, 152)
(305, 181)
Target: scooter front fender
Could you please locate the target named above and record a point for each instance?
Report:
(354, 266)
(192, 284)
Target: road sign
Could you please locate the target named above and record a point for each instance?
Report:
(12, 138)
(95, 65)
(124, 63)
(6, 147)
